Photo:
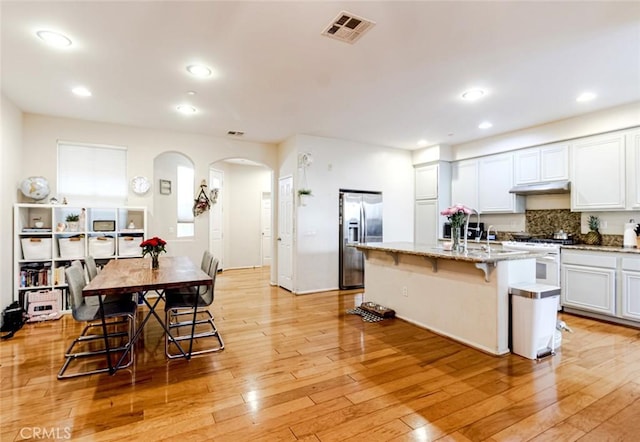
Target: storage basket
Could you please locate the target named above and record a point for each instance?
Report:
(71, 247)
(101, 247)
(36, 248)
(129, 246)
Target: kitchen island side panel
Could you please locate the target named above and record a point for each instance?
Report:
(454, 301)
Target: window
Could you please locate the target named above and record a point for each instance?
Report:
(184, 193)
(90, 174)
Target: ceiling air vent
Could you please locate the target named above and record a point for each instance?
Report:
(348, 27)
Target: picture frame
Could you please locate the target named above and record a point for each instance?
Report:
(165, 187)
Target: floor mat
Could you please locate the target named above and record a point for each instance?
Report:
(366, 316)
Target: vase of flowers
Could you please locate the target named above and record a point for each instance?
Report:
(154, 247)
(456, 216)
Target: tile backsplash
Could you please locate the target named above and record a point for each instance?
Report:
(546, 222)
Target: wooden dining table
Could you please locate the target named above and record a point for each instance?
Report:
(128, 276)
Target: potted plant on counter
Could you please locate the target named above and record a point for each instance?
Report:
(594, 237)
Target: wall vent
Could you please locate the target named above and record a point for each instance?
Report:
(348, 27)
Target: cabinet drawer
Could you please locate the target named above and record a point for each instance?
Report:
(589, 259)
(631, 264)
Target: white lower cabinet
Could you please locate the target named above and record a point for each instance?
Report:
(606, 284)
(630, 286)
(588, 281)
(589, 288)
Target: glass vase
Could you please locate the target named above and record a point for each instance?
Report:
(455, 239)
(155, 262)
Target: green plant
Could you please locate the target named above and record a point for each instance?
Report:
(73, 217)
(594, 223)
(304, 192)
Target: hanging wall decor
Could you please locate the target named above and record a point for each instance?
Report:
(202, 203)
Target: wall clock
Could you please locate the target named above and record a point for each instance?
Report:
(140, 185)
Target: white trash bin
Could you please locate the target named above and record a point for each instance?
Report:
(534, 311)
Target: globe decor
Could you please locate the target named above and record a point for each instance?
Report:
(35, 187)
(154, 247)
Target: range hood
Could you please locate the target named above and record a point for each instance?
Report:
(545, 188)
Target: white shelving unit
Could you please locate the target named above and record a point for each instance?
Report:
(42, 253)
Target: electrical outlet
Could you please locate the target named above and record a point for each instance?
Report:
(405, 292)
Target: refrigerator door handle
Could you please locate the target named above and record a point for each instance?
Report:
(363, 224)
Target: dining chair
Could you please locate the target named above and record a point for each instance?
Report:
(205, 266)
(184, 302)
(118, 313)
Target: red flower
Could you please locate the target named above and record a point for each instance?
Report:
(153, 246)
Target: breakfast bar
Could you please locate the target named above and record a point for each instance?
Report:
(461, 295)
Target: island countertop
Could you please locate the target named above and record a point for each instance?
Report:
(474, 254)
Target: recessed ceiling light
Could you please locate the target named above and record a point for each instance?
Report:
(81, 91)
(485, 125)
(423, 143)
(199, 70)
(586, 96)
(191, 92)
(473, 94)
(54, 39)
(186, 109)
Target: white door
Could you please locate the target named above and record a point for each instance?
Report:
(285, 233)
(265, 222)
(216, 180)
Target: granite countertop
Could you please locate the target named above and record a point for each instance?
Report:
(617, 249)
(475, 255)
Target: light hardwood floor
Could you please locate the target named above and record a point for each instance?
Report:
(299, 368)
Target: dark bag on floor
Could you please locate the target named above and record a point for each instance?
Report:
(13, 318)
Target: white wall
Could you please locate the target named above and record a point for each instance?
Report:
(340, 164)
(10, 175)
(42, 132)
(608, 120)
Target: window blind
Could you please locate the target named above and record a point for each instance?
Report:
(91, 173)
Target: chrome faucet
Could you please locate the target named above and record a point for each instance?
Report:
(466, 229)
(488, 250)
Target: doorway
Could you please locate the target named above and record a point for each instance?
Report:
(265, 221)
(216, 181)
(240, 221)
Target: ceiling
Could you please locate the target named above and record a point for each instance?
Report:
(275, 75)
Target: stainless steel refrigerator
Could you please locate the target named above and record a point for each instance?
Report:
(360, 222)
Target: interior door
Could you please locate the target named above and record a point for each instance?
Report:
(285, 232)
(265, 221)
(216, 180)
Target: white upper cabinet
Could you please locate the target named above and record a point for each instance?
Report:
(598, 173)
(432, 195)
(554, 162)
(541, 164)
(495, 179)
(633, 169)
(427, 182)
(464, 183)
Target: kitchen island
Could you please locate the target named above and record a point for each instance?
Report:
(464, 296)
